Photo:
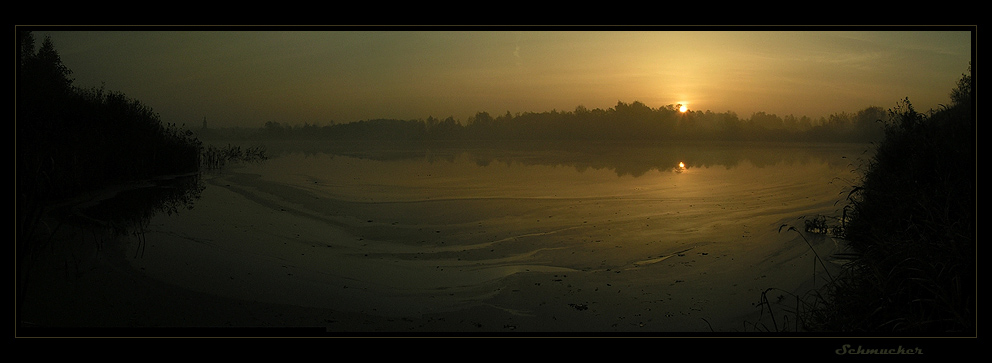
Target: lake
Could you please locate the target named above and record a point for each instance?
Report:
(529, 237)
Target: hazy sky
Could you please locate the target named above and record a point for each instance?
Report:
(247, 76)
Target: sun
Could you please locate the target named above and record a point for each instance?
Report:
(683, 109)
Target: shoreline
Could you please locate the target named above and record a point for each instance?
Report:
(141, 295)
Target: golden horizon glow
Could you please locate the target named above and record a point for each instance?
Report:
(287, 76)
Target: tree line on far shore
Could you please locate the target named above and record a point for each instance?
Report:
(912, 219)
(633, 121)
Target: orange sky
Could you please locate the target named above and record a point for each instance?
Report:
(248, 76)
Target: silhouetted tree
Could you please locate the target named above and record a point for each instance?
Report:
(43, 70)
(912, 219)
(963, 94)
(70, 141)
(634, 121)
(731, 125)
(273, 129)
(869, 124)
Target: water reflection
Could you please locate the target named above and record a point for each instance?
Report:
(625, 159)
(386, 227)
(168, 195)
(127, 212)
(65, 246)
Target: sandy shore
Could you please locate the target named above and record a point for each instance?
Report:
(256, 257)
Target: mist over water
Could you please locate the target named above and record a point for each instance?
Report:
(407, 231)
(648, 219)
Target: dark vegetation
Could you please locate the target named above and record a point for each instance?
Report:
(74, 146)
(214, 157)
(71, 142)
(911, 222)
(625, 122)
(911, 229)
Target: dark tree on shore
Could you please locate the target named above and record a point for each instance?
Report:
(70, 141)
(913, 222)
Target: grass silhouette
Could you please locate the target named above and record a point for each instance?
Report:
(911, 226)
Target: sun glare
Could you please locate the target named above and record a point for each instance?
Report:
(683, 108)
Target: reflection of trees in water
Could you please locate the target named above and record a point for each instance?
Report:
(135, 207)
(126, 212)
(625, 158)
(119, 212)
(123, 213)
(129, 212)
(79, 228)
(638, 159)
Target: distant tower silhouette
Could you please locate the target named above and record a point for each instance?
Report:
(204, 122)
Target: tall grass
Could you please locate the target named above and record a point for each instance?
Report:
(783, 311)
(912, 222)
(214, 158)
(71, 141)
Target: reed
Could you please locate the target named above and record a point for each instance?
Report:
(215, 158)
(911, 223)
(796, 312)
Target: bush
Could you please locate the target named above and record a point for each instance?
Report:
(912, 220)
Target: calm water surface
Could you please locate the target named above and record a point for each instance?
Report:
(538, 231)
